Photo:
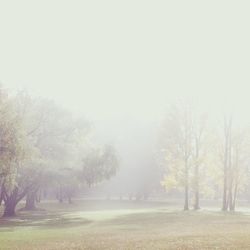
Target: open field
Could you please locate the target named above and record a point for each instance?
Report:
(124, 225)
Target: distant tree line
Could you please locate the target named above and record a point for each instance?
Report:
(44, 147)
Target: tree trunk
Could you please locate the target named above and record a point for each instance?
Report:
(234, 196)
(230, 196)
(227, 130)
(230, 173)
(197, 184)
(197, 198)
(186, 204)
(187, 143)
(60, 195)
(12, 199)
(224, 201)
(2, 194)
(31, 201)
(9, 210)
(69, 199)
(10, 203)
(39, 196)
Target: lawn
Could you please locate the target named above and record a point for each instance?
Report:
(124, 225)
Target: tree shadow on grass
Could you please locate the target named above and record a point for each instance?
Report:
(143, 218)
(42, 220)
(160, 218)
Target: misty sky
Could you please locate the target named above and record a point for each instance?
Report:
(109, 59)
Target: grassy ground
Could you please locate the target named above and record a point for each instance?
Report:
(124, 225)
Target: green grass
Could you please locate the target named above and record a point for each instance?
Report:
(124, 225)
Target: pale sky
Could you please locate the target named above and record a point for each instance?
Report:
(109, 59)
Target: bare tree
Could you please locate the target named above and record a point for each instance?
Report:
(176, 140)
(227, 162)
(199, 151)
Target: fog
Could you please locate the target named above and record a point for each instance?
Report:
(144, 101)
(121, 64)
(126, 58)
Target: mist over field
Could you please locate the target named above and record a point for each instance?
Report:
(124, 124)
